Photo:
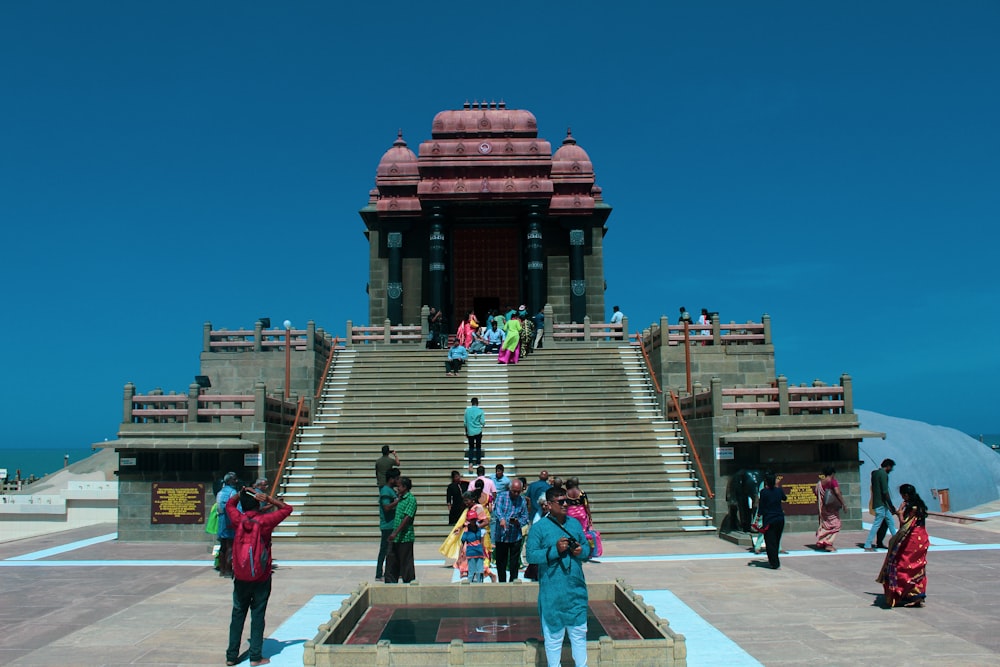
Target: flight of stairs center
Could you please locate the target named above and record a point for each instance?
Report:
(584, 411)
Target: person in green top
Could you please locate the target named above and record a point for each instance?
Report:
(399, 563)
(881, 501)
(387, 501)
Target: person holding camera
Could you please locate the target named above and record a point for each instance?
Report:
(252, 567)
(558, 547)
(510, 513)
(389, 459)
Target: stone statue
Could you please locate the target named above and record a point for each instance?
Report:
(742, 493)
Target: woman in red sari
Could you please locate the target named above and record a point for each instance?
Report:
(904, 572)
(830, 502)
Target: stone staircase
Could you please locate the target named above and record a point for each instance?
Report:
(575, 411)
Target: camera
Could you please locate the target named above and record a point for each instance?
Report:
(571, 544)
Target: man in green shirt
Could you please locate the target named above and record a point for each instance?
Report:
(387, 501)
(399, 563)
(881, 501)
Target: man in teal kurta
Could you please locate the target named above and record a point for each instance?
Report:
(562, 588)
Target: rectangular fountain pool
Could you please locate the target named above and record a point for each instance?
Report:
(484, 625)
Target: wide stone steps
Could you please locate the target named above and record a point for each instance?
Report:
(586, 412)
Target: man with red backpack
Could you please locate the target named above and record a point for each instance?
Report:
(251, 568)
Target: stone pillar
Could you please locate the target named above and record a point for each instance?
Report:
(766, 321)
(782, 395)
(536, 264)
(258, 336)
(311, 336)
(435, 266)
(394, 286)
(716, 397)
(846, 383)
(425, 327)
(206, 337)
(193, 392)
(550, 326)
(577, 277)
(349, 340)
(129, 394)
(260, 401)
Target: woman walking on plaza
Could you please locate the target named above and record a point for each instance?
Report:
(904, 575)
(830, 502)
(772, 517)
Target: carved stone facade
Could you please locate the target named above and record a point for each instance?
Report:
(485, 216)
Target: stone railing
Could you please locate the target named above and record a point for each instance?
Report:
(264, 340)
(197, 407)
(589, 331)
(750, 333)
(780, 399)
(387, 334)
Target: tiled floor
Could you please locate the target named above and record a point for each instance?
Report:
(111, 603)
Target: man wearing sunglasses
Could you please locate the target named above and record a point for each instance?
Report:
(557, 545)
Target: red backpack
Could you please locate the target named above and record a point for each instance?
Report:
(251, 555)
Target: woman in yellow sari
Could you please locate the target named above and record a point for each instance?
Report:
(452, 547)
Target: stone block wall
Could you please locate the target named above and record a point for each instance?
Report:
(378, 281)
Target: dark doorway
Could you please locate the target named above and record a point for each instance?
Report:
(482, 305)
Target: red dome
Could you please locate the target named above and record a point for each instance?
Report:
(397, 162)
(571, 160)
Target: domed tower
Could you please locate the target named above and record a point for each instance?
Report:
(485, 217)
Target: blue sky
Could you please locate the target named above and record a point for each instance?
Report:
(165, 164)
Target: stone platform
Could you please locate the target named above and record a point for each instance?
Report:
(81, 598)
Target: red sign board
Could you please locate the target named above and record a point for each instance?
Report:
(177, 502)
(800, 489)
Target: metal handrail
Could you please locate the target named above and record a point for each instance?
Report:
(326, 369)
(288, 446)
(680, 416)
(687, 434)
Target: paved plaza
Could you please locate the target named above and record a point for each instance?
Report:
(82, 598)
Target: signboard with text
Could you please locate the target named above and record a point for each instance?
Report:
(177, 502)
(801, 496)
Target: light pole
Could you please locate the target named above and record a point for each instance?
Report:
(288, 358)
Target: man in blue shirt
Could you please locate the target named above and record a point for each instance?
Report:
(500, 481)
(536, 494)
(226, 532)
(387, 501)
(457, 355)
(539, 320)
(475, 422)
(557, 545)
(510, 513)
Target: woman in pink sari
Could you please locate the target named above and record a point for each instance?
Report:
(904, 572)
(830, 502)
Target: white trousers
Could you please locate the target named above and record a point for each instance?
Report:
(554, 643)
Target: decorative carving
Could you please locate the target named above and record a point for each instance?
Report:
(436, 184)
(536, 266)
(576, 237)
(460, 185)
(436, 148)
(484, 123)
(533, 148)
(437, 236)
(395, 290)
(509, 148)
(534, 234)
(460, 148)
(534, 185)
(436, 266)
(578, 287)
(394, 240)
(509, 185)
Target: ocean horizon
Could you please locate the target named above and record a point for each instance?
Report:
(39, 462)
